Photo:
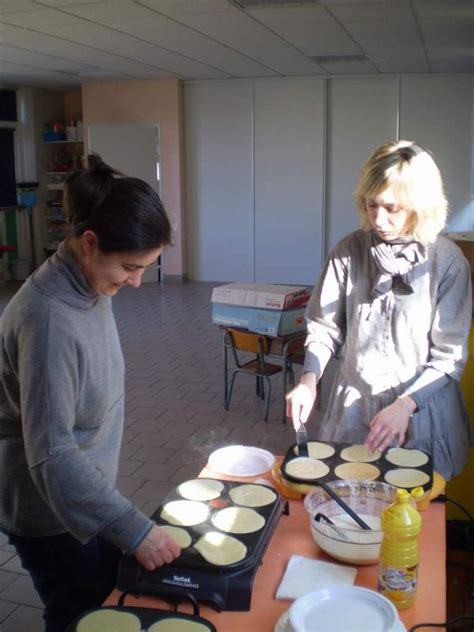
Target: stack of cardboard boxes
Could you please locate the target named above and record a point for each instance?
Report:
(273, 310)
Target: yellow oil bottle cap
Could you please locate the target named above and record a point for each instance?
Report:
(401, 516)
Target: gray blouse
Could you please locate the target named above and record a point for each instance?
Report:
(394, 334)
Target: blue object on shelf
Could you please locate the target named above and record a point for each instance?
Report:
(53, 137)
(27, 194)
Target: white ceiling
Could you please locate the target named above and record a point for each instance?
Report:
(63, 43)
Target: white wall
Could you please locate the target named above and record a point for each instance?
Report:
(271, 164)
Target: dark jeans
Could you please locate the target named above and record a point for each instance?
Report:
(69, 576)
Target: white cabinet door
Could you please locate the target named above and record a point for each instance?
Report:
(362, 114)
(219, 181)
(289, 149)
(436, 112)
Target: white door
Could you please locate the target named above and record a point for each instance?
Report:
(132, 149)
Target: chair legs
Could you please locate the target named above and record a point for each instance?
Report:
(260, 387)
(269, 396)
(229, 392)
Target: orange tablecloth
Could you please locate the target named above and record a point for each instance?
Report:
(293, 537)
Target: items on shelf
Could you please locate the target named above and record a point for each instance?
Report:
(63, 157)
(61, 132)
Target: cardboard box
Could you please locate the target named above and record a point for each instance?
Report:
(270, 322)
(260, 295)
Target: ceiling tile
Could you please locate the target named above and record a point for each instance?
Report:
(35, 59)
(393, 46)
(18, 70)
(243, 33)
(311, 29)
(444, 8)
(178, 8)
(146, 24)
(374, 9)
(448, 33)
(10, 6)
(81, 31)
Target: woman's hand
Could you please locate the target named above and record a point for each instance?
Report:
(300, 400)
(156, 549)
(392, 421)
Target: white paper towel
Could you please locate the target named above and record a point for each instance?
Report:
(303, 575)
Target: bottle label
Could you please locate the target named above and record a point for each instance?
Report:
(397, 584)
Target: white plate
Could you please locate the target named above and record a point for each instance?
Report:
(241, 460)
(330, 609)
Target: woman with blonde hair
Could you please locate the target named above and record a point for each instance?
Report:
(393, 303)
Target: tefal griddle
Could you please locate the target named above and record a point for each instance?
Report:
(191, 576)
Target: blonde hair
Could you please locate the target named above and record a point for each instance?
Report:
(416, 182)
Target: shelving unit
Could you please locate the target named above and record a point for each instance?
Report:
(63, 157)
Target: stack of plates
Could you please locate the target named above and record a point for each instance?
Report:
(241, 460)
(329, 610)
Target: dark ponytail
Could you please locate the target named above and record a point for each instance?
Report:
(125, 213)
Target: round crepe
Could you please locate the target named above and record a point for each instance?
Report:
(358, 453)
(252, 495)
(306, 468)
(238, 520)
(357, 472)
(406, 458)
(185, 513)
(180, 536)
(318, 450)
(176, 624)
(220, 549)
(107, 620)
(201, 489)
(406, 477)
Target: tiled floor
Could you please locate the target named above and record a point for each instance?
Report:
(174, 412)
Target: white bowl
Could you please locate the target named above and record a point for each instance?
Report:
(347, 541)
(343, 608)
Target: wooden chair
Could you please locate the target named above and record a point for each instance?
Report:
(242, 341)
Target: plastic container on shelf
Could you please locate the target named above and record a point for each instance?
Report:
(399, 553)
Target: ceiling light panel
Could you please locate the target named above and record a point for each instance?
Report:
(349, 67)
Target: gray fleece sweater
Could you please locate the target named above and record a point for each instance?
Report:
(61, 411)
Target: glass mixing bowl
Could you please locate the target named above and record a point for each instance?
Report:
(346, 541)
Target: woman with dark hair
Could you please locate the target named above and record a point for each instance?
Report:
(62, 399)
(394, 304)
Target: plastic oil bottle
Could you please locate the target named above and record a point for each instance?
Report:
(399, 554)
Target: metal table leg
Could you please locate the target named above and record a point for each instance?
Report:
(225, 370)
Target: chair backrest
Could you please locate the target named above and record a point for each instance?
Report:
(248, 341)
